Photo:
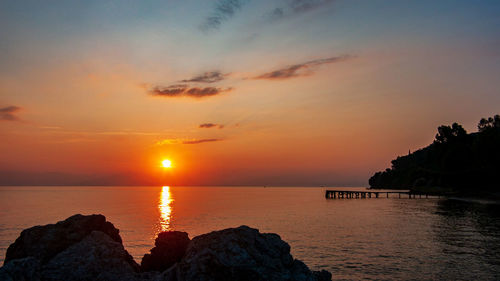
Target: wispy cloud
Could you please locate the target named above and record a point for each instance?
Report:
(200, 141)
(301, 6)
(207, 77)
(8, 113)
(170, 91)
(223, 11)
(302, 69)
(168, 141)
(296, 7)
(205, 92)
(185, 141)
(185, 91)
(211, 125)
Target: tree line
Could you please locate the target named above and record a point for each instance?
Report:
(457, 160)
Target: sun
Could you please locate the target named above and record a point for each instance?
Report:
(166, 163)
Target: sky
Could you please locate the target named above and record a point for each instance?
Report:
(236, 92)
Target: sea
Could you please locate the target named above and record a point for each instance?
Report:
(355, 239)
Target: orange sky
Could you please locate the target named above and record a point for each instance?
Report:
(318, 97)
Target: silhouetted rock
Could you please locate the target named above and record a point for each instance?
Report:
(96, 257)
(323, 275)
(242, 254)
(44, 242)
(232, 254)
(170, 247)
(26, 269)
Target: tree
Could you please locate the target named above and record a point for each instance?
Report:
(492, 122)
(447, 133)
(464, 163)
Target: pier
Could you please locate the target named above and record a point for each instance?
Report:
(351, 194)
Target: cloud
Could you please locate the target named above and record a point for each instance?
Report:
(302, 69)
(205, 92)
(207, 77)
(185, 141)
(210, 125)
(168, 141)
(301, 6)
(199, 141)
(170, 91)
(223, 11)
(8, 113)
(296, 7)
(185, 91)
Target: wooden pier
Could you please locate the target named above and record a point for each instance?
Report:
(352, 194)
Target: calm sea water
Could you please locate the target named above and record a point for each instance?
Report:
(355, 239)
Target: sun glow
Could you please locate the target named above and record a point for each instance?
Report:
(166, 163)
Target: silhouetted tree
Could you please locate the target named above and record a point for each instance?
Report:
(447, 133)
(491, 122)
(466, 163)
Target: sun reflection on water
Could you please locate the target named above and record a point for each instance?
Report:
(165, 207)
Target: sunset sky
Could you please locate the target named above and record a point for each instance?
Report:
(250, 92)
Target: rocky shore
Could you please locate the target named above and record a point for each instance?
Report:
(90, 248)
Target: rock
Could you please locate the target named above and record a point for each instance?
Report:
(26, 269)
(96, 257)
(44, 242)
(170, 247)
(89, 248)
(323, 275)
(167, 275)
(242, 254)
(78, 248)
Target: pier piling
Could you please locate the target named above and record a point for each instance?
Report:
(350, 194)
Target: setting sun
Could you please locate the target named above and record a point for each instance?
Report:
(166, 163)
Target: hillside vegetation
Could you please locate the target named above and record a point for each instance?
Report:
(456, 160)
